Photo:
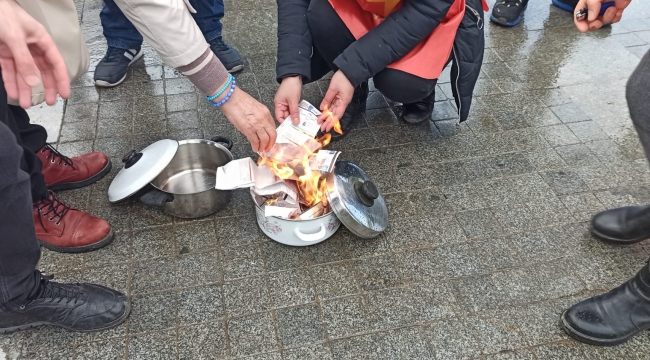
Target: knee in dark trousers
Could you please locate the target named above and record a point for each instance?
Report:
(637, 91)
(400, 86)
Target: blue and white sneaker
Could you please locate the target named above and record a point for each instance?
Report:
(508, 12)
(111, 71)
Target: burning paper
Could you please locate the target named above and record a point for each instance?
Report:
(291, 156)
(244, 173)
(324, 160)
(316, 211)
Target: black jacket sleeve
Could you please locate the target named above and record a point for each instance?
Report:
(398, 34)
(294, 40)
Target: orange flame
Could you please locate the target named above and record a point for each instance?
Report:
(291, 162)
(337, 123)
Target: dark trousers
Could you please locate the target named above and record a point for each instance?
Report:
(120, 32)
(331, 37)
(637, 92)
(19, 250)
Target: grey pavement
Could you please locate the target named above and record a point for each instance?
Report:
(487, 242)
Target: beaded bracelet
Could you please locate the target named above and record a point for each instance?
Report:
(225, 86)
(232, 89)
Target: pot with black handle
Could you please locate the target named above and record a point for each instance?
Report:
(182, 175)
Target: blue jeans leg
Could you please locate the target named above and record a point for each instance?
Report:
(208, 17)
(118, 29)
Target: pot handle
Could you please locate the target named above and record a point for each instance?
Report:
(222, 139)
(156, 198)
(320, 235)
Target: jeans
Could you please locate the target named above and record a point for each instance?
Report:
(121, 33)
(19, 249)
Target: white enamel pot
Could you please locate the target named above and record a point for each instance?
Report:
(297, 232)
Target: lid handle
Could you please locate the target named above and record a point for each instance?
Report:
(131, 158)
(366, 192)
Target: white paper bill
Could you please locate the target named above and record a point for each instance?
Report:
(299, 134)
(244, 173)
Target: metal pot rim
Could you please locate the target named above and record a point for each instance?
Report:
(197, 141)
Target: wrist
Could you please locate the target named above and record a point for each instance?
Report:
(222, 90)
(293, 78)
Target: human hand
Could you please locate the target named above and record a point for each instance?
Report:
(338, 96)
(287, 98)
(252, 118)
(594, 20)
(28, 56)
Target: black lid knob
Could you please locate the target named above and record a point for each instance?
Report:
(131, 158)
(366, 192)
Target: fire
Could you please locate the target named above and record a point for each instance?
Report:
(290, 162)
(337, 123)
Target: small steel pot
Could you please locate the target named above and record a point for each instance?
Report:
(297, 232)
(185, 187)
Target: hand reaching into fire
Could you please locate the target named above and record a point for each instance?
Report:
(594, 21)
(338, 96)
(287, 99)
(251, 118)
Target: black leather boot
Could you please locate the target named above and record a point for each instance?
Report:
(420, 111)
(626, 225)
(614, 317)
(76, 307)
(356, 107)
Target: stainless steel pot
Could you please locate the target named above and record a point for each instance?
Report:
(185, 187)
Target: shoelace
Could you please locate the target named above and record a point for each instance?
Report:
(219, 44)
(53, 155)
(54, 291)
(52, 207)
(114, 54)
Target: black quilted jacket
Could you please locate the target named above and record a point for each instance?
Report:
(397, 34)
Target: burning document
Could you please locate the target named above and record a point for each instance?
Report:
(324, 160)
(244, 173)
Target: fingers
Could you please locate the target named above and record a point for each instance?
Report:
(595, 25)
(293, 110)
(9, 77)
(53, 62)
(582, 25)
(621, 4)
(49, 82)
(255, 142)
(593, 7)
(281, 112)
(24, 93)
(609, 15)
(24, 63)
(329, 98)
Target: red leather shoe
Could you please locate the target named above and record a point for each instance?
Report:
(63, 229)
(64, 173)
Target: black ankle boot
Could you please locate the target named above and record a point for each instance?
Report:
(76, 307)
(420, 111)
(626, 225)
(614, 317)
(356, 107)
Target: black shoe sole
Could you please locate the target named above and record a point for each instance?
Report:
(111, 325)
(418, 121)
(236, 69)
(611, 240)
(589, 339)
(83, 183)
(80, 249)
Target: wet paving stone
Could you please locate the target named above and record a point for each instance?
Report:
(488, 239)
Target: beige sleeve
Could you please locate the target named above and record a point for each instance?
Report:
(168, 27)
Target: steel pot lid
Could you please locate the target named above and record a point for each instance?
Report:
(140, 168)
(356, 201)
